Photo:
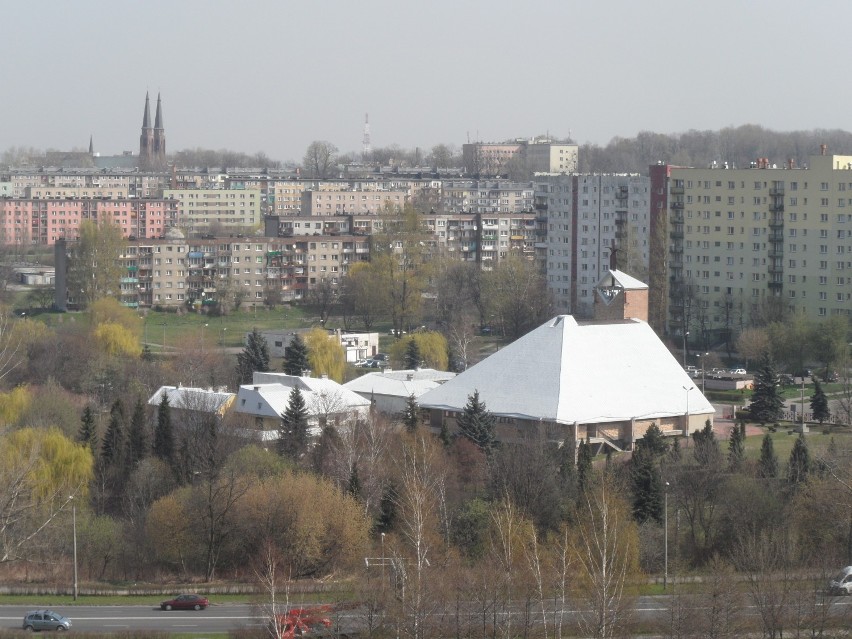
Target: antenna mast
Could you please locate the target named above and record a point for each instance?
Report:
(365, 152)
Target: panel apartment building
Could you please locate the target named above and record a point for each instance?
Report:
(46, 214)
(175, 271)
(749, 244)
(582, 217)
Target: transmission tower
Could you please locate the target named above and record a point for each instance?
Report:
(365, 153)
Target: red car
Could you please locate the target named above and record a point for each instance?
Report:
(185, 602)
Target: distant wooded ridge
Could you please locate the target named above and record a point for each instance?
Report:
(738, 146)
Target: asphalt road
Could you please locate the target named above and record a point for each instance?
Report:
(226, 617)
(217, 618)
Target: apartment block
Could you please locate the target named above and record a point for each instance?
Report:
(354, 202)
(200, 210)
(756, 243)
(43, 221)
(585, 217)
(486, 196)
(175, 271)
(540, 154)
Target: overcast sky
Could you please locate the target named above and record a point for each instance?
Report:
(273, 75)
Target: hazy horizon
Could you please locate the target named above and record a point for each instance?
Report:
(266, 76)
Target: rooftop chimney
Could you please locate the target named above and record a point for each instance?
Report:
(823, 149)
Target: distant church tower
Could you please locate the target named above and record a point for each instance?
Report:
(152, 142)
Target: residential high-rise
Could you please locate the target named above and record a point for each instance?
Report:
(586, 218)
(752, 245)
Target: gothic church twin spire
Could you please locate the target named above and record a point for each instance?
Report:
(152, 142)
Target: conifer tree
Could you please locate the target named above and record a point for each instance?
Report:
(819, 403)
(767, 466)
(766, 403)
(647, 484)
(88, 433)
(410, 416)
(444, 436)
(293, 435)
(112, 449)
(137, 440)
(477, 424)
(706, 451)
(354, 487)
(800, 461)
(253, 358)
(654, 440)
(412, 354)
(296, 357)
(164, 441)
(387, 509)
(736, 447)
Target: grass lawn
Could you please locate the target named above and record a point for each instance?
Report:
(783, 440)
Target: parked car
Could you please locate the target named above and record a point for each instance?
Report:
(842, 583)
(804, 372)
(38, 620)
(185, 602)
(737, 371)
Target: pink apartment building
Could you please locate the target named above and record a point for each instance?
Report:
(43, 221)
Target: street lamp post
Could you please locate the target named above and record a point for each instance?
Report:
(686, 417)
(164, 337)
(383, 562)
(74, 529)
(203, 335)
(703, 374)
(666, 537)
(685, 335)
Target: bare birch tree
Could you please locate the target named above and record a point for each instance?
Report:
(606, 552)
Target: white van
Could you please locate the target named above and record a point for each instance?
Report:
(842, 583)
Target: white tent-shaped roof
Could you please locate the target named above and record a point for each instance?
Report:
(567, 372)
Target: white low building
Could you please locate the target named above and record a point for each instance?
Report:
(389, 390)
(327, 402)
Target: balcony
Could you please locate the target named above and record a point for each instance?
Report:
(776, 286)
(676, 235)
(776, 253)
(777, 207)
(776, 222)
(776, 269)
(677, 206)
(776, 191)
(775, 237)
(676, 190)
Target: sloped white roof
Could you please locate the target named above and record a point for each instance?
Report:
(269, 399)
(198, 399)
(622, 279)
(567, 372)
(401, 383)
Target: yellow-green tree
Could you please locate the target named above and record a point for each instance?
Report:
(109, 310)
(432, 346)
(40, 471)
(398, 256)
(169, 533)
(316, 527)
(14, 404)
(363, 297)
(94, 269)
(325, 355)
(116, 340)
